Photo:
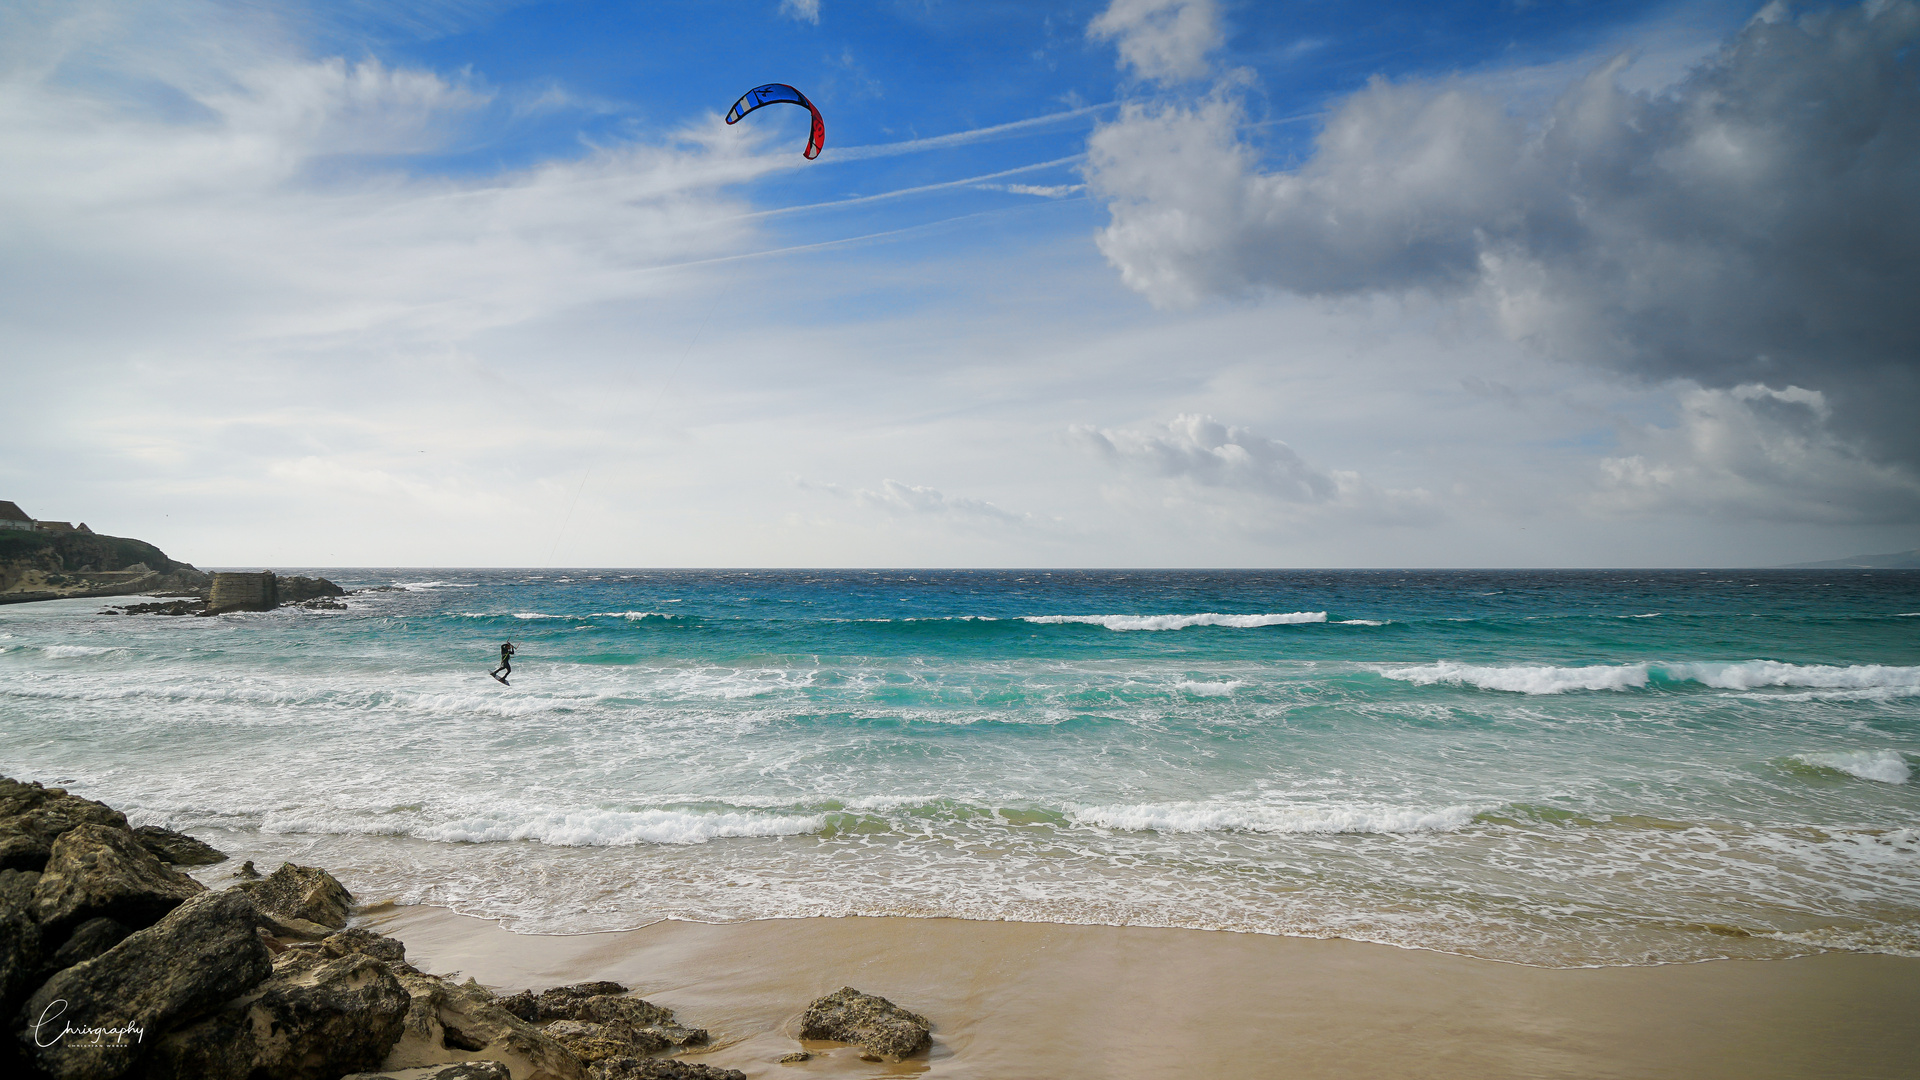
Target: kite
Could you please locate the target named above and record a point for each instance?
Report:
(773, 93)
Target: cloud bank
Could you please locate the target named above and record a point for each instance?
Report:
(1164, 40)
(1753, 225)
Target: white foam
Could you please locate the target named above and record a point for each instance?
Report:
(1869, 680)
(1208, 689)
(1181, 622)
(1886, 766)
(540, 615)
(423, 586)
(1194, 817)
(63, 651)
(1360, 622)
(633, 616)
(1525, 679)
(613, 828)
(1884, 679)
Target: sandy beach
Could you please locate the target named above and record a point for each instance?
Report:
(1042, 1000)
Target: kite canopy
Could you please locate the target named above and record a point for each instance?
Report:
(774, 93)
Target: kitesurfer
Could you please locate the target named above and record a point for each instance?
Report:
(506, 664)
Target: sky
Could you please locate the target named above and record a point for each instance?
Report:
(1173, 283)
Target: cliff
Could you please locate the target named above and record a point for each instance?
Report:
(38, 565)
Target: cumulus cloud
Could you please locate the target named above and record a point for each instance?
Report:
(1165, 40)
(1755, 452)
(801, 10)
(1754, 223)
(1201, 457)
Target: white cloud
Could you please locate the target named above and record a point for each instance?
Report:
(913, 500)
(1164, 40)
(1753, 223)
(1202, 459)
(1754, 452)
(801, 10)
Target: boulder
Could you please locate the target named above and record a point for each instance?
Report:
(661, 1069)
(559, 1002)
(88, 940)
(367, 943)
(313, 1019)
(204, 952)
(295, 590)
(20, 943)
(33, 817)
(301, 892)
(99, 870)
(178, 848)
(448, 1023)
(847, 1015)
(465, 1070)
(597, 1023)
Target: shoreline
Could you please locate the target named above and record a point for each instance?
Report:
(1056, 1000)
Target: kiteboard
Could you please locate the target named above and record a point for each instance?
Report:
(499, 678)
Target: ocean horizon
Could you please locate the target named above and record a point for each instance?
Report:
(1562, 768)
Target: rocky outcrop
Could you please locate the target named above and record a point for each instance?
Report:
(661, 1069)
(81, 1025)
(874, 1023)
(178, 848)
(314, 1018)
(446, 1022)
(301, 590)
(37, 565)
(597, 1023)
(88, 940)
(466, 1070)
(307, 893)
(97, 870)
(33, 817)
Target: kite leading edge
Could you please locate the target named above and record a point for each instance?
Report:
(774, 93)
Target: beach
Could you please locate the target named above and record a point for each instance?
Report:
(1011, 1000)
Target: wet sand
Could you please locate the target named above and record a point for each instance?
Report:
(1016, 1000)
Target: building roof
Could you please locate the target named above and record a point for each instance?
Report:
(55, 526)
(12, 512)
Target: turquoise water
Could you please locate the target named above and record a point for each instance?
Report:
(1547, 767)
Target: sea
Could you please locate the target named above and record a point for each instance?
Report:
(1560, 768)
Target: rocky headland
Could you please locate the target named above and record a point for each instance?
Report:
(114, 963)
(37, 565)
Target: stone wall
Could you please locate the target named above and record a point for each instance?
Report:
(242, 592)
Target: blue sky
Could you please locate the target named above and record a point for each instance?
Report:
(1140, 282)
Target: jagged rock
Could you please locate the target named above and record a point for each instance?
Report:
(446, 1021)
(795, 1058)
(96, 870)
(33, 817)
(178, 848)
(297, 590)
(847, 1015)
(365, 942)
(661, 1069)
(202, 953)
(88, 940)
(559, 1002)
(20, 943)
(169, 607)
(465, 1070)
(247, 872)
(301, 892)
(300, 929)
(308, 1021)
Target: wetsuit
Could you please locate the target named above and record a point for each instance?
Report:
(506, 662)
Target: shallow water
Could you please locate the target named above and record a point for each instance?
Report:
(1550, 767)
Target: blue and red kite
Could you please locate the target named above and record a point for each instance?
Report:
(775, 93)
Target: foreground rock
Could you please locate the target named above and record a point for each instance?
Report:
(466, 1070)
(446, 1023)
(307, 893)
(313, 1019)
(847, 1015)
(598, 1024)
(33, 817)
(661, 1069)
(178, 848)
(97, 871)
(201, 954)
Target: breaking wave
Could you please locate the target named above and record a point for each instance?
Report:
(594, 828)
(1181, 622)
(1196, 817)
(1874, 680)
(1886, 766)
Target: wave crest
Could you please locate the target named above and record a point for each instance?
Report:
(1181, 622)
(1195, 817)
